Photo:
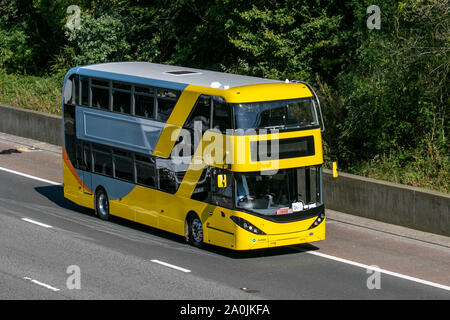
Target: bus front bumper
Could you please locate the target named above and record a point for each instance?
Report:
(247, 241)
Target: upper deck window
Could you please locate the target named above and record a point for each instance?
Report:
(280, 114)
(201, 113)
(84, 91)
(221, 115)
(144, 101)
(121, 98)
(166, 102)
(100, 94)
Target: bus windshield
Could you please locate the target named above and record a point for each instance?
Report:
(294, 113)
(286, 191)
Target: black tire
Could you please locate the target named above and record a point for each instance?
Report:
(195, 231)
(101, 204)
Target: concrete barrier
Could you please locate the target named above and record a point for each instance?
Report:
(393, 203)
(31, 124)
(397, 204)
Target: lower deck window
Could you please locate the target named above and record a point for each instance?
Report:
(102, 163)
(123, 168)
(167, 181)
(145, 174)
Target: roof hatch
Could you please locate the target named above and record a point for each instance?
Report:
(182, 72)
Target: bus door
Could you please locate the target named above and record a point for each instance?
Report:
(219, 225)
(84, 161)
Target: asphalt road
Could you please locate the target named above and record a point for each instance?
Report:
(51, 248)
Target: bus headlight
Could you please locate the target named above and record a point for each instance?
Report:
(319, 219)
(244, 224)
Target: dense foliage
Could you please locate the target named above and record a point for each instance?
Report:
(385, 92)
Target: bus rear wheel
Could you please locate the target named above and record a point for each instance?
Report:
(101, 204)
(195, 231)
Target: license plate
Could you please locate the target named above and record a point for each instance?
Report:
(283, 211)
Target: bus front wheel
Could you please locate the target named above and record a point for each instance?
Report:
(195, 231)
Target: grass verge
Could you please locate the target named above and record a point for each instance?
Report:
(31, 92)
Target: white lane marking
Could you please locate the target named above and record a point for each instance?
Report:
(42, 284)
(171, 265)
(37, 222)
(394, 274)
(30, 176)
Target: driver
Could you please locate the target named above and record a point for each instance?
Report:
(242, 191)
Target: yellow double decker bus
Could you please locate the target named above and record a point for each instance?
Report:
(222, 159)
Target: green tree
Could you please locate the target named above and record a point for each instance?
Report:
(288, 39)
(101, 39)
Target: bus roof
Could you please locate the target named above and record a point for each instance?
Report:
(181, 75)
(233, 87)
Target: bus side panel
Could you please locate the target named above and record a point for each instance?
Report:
(117, 130)
(157, 209)
(171, 213)
(141, 199)
(119, 209)
(73, 188)
(218, 229)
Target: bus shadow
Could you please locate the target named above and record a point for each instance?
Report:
(56, 195)
(262, 253)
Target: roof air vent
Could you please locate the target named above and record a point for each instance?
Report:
(182, 72)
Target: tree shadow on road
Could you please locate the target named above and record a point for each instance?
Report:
(9, 151)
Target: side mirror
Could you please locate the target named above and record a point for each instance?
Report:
(226, 165)
(222, 180)
(335, 172)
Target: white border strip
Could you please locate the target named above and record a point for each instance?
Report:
(170, 265)
(36, 222)
(41, 284)
(30, 176)
(394, 274)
